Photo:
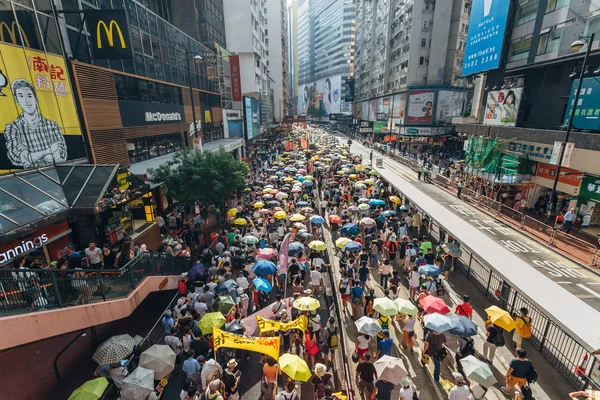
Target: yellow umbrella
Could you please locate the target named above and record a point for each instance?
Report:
(280, 214)
(317, 245)
(340, 172)
(240, 221)
(306, 304)
(209, 320)
(352, 176)
(294, 367)
(232, 212)
(395, 200)
(297, 217)
(288, 179)
(341, 242)
(259, 204)
(501, 318)
(369, 181)
(266, 190)
(308, 177)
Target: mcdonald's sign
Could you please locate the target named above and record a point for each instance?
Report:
(109, 34)
(207, 117)
(20, 31)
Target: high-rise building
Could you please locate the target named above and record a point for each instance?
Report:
(293, 57)
(277, 54)
(203, 20)
(325, 51)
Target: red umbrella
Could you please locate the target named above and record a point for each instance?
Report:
(335, 219)
(266, 254)
(432, 304)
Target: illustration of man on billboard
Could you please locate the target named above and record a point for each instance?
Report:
(31, 139)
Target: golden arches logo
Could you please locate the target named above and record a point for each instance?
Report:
(108, 29)
(207, 117)
(12, 33)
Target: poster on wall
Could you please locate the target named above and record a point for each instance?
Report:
(365, 110)
(252, 111)
(38, 118)
(502, 107)
(587, 113)
(349, 90)
(399, 103)
(322, 97)
(233, 124)
(450, 104)
(420, 107)
(373, 110)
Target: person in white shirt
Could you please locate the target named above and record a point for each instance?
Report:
(461, 390)
(414, 282)
(242, 281)
(210, 369)
(316, 280)
(201, 308)
(407, 389)
(181, 305)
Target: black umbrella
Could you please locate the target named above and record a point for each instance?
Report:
(235, 327)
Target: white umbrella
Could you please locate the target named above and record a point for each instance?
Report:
(138, 385)
(114, 349)
(368, 326)
(159, 358)
(478, 371)
(390, 369)
(367, 222)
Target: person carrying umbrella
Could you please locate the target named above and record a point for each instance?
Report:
(192, 368)
(320, 379)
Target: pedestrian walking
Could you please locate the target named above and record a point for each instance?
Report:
(357, 299)
(407, 390)
(383, 390)
(269, 379)
(520, 372)
(231, 380)
(434, 348)
(569, 218)
(384, 345)
(465, 308)
(408, 332)
(289, 393)
(365, 377)
(192, 368)
(461, 390)
(494, 339)
(320, 380)
(331, 341)
(385, 272)
(523, 329)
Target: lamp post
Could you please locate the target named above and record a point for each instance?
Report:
(197, 60)
(576, 46)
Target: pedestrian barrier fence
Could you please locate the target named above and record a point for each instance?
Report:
(24, 290)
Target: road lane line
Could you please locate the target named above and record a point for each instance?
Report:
(590, 291)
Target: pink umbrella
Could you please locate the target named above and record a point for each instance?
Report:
(267, 253)
(432, 304)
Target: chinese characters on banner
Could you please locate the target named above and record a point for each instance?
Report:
(266, 345)
(267, 325)
(236, 80)
(587, 112)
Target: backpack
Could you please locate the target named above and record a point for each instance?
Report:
(525, 330)
(499, 338)
(333, 340)
(468, 350)
(182, 288)
(532, 375)
(384, 324)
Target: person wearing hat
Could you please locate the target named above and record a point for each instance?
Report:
(461, 390)
(320, 379)
(231, 379)
(407, 390)
(212, 392)
(243, 302)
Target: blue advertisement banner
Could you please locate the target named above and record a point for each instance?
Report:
(587, 113)
(485, 37)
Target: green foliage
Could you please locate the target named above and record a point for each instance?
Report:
(209, 178)
(316, 112)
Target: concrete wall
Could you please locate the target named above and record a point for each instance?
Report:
(238, 28)
(442, 16)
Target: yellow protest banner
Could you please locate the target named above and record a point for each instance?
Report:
(266, 345)
(267, 325)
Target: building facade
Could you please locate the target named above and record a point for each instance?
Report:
(277, 55)
(293, 57)
(203, 20)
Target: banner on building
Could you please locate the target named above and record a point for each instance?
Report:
(35, 90)
(502, 107)
(109, 33)
(236, 78)
(267, 325)
(349, 87)
(320, 98)
(420, 107)
(450, 104)
(587, 113)
(266, 345)
(233, 124)
(567, 154)
(398, 106)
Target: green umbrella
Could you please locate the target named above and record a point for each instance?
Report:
(406, 307)
(209, 320)
(385, 306)
(224, 304)
(91, 390)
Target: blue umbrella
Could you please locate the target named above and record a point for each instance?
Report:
(262, 284)
(352, 246)
(317, 219)
(264, 268)
(429, 270)
(437, 322)
(295, 247)
(196, 272)
(307, 183)
(302, 204)
(376, 202)
(226, 287)
(462, 326)
(388, 213)
(350, 230)
(278, 173)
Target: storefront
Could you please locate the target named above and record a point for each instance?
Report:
(568, 186)
(588, 200)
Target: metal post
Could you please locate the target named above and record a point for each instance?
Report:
(487, 289)
(589, 41)
(101, 285)
(56, 291)
(131, 277)
(545, 335)
(469, 267)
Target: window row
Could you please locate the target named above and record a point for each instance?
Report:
(130, 88)
(145, 148)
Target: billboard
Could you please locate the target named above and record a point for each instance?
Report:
(502, 107)
(420, 106)
(365, 110)
(233, 124)
(236, 78)
(349, 90)
(373, 110)
(109, 33)
(322, 97)
(38, 121)
(485, 37)
(252, 112)
(587, 113)
(450, 104)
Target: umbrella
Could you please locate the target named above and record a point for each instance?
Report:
(296, 189)
(341, 242)
(262, 284)
(228, 286)
(406, 307)
(317, 245)
(250, 239)
(373, 172)
(432, 304)
(266, 253)
(114, 349)
(385, 306)
(363, 207)
(267, 196)
(390, 369)
(478, 371)
(335, 219)
(302, 204)
(453, 249)
(209, 320)
(264, 267)
(300, 225)
(501, 318)
(91, 390)
(307, 210)
(369, 182)
(307, 183)
(403, 208)
(280, 214)
(138, 385)
(234, 327)
(281, 196)
(259, 204)
(159, 358)
(294, 367)
(367, 222)
(368, 326)
(303, 234)
(196, 272)
(352, 246)
(297, 217)
(223, 304)
(363, 200)
(350, 230)
(307, 304)
(437, 322)
(295, 247)
(354, 209)
(395, 199)
(360, 185)
(429, 270)
(240, 221)
(387, 213)
(462, 326)
(232, 212)
(316, 219)
(274, 203)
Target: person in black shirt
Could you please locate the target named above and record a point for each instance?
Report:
(365, 376)
(429, 257)
(73, 258)
(293, 269)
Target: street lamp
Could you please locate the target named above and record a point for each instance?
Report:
(197, 60)
(576, 46)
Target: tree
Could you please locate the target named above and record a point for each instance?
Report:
(210, 178)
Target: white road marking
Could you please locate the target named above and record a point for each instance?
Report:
(590, 291)
(564, 282)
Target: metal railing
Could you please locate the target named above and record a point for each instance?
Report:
(27, 290)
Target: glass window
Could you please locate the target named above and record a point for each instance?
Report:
(169, 92)
(142, 18)
(527, 13)
(164, 51)
(177, 95)
(147, 47)
(46, 185)
(162, 93)
(144, 91)
(132, 87)
(152, 91)
(120, 86)
(550, 42)
(152, 27)
(159, 71)
(592, 26)
(140, 67)
(150, 68)
(155, 48)
(519, 51)
(133, 20)
(167, 71)
(136, 40)
(48, 27)
(556, 4)
(141, 146)
(128, 66)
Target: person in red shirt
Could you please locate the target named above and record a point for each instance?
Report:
(465, 308)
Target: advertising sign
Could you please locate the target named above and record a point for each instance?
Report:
(252, 111)
(139, 113)
(420, 107)
(236, 78)
(379, 127)
(373, 110)
(590, 188)
(398, 106)
(567, 176)
(539, 152)
(587, 113)
(322, 97)
(349, 90)
(20, 31)
(365, 110)
(109, 33)
(38, 118)
(417, 131)
(502, 107)
(233, 124)
(486, 35)
(450, 104)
